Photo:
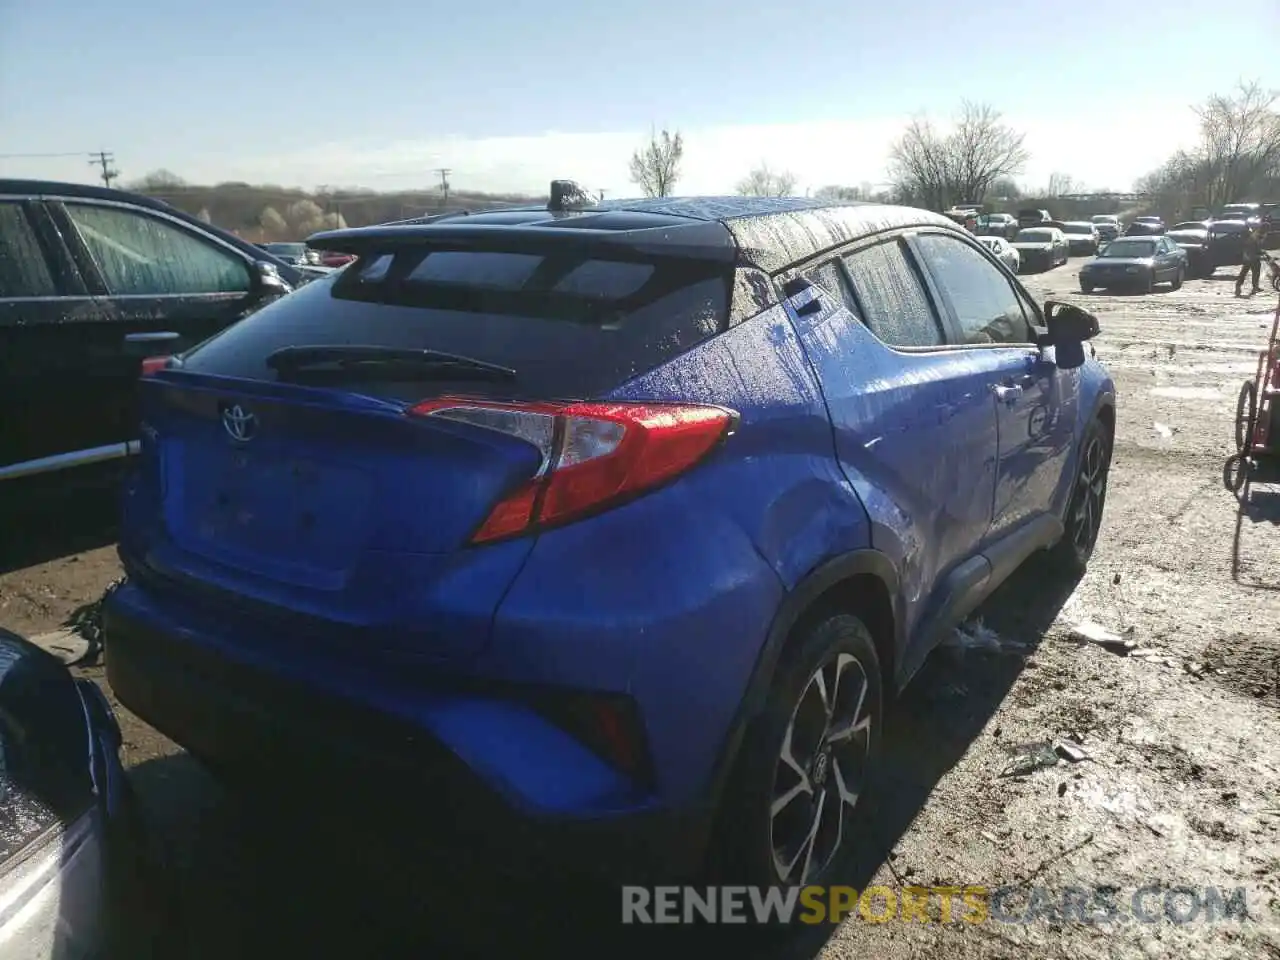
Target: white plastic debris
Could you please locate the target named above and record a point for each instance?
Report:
(1163, 430)
(1086, 631)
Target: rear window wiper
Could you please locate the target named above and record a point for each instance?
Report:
(352, 359)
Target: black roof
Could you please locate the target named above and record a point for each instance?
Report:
(86, 191)
(771, 233)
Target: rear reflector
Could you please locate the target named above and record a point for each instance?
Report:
(594, 455)
(152, 364)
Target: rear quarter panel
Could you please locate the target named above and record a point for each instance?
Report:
(670, 597)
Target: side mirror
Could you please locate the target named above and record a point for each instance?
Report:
(267, 280)
(1069, 327)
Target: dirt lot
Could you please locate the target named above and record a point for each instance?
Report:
(1180, 787)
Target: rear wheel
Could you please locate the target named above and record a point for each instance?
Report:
(1086, 287)
(1083, 519)
(797, 803)
(1246, 415)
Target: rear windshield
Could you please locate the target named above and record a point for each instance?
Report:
(1078, 228)
(1033, 236)
(1130, 248)
(570, 325)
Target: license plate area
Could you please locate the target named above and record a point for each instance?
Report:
(277, 504)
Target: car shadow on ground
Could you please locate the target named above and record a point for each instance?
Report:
(252, 875)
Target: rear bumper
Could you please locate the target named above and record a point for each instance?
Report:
(389, 766)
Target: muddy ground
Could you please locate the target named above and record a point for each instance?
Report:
(1180, 786)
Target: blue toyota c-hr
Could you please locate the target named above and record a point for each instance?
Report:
(610, 523)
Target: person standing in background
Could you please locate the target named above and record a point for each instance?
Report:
(1252, 263)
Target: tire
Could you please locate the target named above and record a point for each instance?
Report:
(1086, 287)
(1149, 284)
(767, 813)
(1246, 415)
(1176, 284)
(1235, 473)
(1083, 518)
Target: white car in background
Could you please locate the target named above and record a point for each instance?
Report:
(1004, 252)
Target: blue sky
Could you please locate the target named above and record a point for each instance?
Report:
(510, 94)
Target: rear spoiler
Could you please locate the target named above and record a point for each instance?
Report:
(699, 240)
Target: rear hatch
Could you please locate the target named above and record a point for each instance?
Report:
(285, 463)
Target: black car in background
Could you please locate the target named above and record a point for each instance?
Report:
(92, 282)
(1192, 237)
(1145, 227)
(1031, 217)
(1226, 242)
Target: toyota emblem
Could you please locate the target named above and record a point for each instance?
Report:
(240, 424)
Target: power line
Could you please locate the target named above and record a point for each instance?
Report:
(444, 185)
(40, 156)
(104, 160)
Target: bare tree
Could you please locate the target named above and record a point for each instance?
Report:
(763, 182)
(655, 166)
(158, 180)
(1239, 141)
(273, 223)
(936, 169)
(1061, 184)
(1237, 156)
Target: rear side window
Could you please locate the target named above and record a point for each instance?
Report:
(894, 303)
(571, 324)
(24, 272)
(142, 255)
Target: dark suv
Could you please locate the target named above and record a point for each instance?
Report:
(92, 281)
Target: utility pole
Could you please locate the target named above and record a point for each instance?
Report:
(105, 160)
(444, 186)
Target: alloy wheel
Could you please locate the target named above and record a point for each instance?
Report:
(1090, 494)
(820, 771)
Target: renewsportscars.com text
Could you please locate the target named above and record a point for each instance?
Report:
(1156, 903)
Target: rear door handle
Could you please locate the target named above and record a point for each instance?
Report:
(157, 336)
(1007, 394)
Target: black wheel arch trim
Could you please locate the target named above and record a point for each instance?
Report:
(1106, 400)
(797, 602)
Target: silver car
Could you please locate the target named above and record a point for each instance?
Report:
(70, 839)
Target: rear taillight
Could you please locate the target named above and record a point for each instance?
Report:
(152, 364)
(594, 454)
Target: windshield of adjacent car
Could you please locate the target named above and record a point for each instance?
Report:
(287, 249)
(1129, 248)
(1078, 228)
(1034, 236)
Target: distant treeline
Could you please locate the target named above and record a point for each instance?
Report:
(261, 213)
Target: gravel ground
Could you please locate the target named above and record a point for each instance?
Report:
(1180, 786)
